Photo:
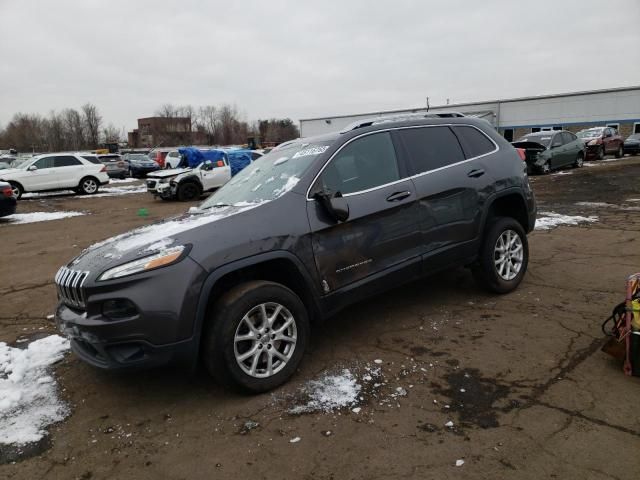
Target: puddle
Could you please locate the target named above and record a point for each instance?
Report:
(476, 399)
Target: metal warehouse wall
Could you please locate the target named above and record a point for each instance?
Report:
(610, 106)
(581, 108)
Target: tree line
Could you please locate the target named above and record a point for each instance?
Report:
(85, 129)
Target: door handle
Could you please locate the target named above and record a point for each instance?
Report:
(475, 173)
(397, 196)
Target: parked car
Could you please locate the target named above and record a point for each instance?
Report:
(187, 184)
(140, 164)
(315, 225)
(602, 141)
(117, 167)
(546, 151)
(56, 172)
(632, 144)
(8, 200)
(158, 156)
(172, 159)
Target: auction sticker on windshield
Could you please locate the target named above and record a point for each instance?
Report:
(311, 151)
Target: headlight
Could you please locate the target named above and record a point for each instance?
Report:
(593, 142)
(161, 259)
(163, 180)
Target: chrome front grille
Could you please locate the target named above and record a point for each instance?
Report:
(69, 284)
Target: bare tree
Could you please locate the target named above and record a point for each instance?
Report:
(110, 134)
(92, 122)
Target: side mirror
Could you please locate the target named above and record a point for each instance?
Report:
(335, 205)
(207, 165)
(32, 168)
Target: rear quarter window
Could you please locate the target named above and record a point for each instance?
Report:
(473, 141)
(91, 158)
(430, 148)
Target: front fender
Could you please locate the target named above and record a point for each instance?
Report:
(218, 273)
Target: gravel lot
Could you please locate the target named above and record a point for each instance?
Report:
(520, 377)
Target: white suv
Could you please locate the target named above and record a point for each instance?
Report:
(56, 172)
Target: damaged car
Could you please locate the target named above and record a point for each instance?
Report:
(546, 151)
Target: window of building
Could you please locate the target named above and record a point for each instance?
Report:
(365, 163)
(431, 147)
(557, 127)
(636, 127)
(66, 161)
(616, 126)
(473, 141)
(508, 134)
(535, 129)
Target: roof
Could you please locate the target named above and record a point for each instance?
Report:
(456, 106)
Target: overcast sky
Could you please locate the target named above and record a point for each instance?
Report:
(303, 59)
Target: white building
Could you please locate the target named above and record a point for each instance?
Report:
(617, 107)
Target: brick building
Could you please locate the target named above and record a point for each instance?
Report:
(162, 131)
(617, 107)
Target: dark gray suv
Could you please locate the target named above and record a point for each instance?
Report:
(315, 225)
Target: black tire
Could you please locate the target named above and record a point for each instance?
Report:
(88, 186)
(620, 152)
(601, 153)
(579, 161)
(485, 272)
(219, 350)
(188, 191)
(18, 190)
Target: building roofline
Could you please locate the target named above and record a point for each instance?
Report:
(470, 104)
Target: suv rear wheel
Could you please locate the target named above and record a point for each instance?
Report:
(256, 337)
(620, 152)
(88, 186)
(504, 256)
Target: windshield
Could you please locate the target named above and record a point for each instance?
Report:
(275, 174)
(25, 163)
(542, 139)
(592, 132)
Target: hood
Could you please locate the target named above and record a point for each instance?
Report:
(528, 145)
(628, 141)
(144, 241)
(168, 173)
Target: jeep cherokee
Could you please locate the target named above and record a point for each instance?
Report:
(317, 224)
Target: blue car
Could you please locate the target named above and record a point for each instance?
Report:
(140, 164)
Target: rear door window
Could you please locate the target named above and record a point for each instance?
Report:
(66, 161)
(568, 137)
(365, 163)
(473, 141)
(430, 148)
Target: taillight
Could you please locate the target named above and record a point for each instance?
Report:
(522, 153)
(7, 192)
(121, 164)
(103, 169)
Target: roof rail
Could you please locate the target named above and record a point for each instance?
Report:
(367, 122)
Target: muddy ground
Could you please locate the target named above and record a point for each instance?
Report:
(527, 388)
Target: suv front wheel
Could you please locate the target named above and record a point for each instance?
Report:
(256, 336)
(504, 256)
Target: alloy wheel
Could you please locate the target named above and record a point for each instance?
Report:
(265, 340)
(89, 186)
(508, 255)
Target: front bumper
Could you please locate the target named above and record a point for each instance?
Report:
(161, 331)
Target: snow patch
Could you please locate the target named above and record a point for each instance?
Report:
(21, 218)
(331, 392)
(151, 234)
(291, 182)
(123, 180)
(28, 395)
(562, 172)
(549, 220)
